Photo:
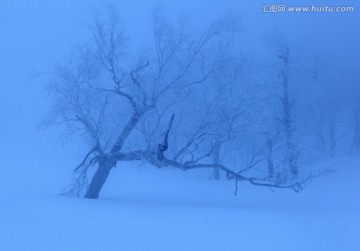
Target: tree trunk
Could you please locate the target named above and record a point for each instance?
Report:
(99, 179)
(269, 154)
(332, 132)
(217, 160)
(106, 164)
(356, 140)
(126, 131)
(287, 121)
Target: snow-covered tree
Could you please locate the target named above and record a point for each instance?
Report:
(174, 105)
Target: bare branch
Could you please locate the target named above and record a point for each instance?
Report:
(85, 159)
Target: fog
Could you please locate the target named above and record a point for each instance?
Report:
(38, 36)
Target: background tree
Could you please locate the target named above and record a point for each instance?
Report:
(354, 98)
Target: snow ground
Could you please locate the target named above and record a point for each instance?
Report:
(144, 208)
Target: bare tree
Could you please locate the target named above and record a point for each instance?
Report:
(146, 109)
(354, 98)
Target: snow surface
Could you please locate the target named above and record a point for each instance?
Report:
(145, 208)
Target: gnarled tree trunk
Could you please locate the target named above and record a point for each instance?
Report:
(106, 163)
(99, 179)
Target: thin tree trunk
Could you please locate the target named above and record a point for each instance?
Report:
(319, 136)
(356, 140)
(332, 131)
(269, 154)
(217, 160)
(287, 122)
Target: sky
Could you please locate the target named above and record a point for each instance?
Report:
(36, 35)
